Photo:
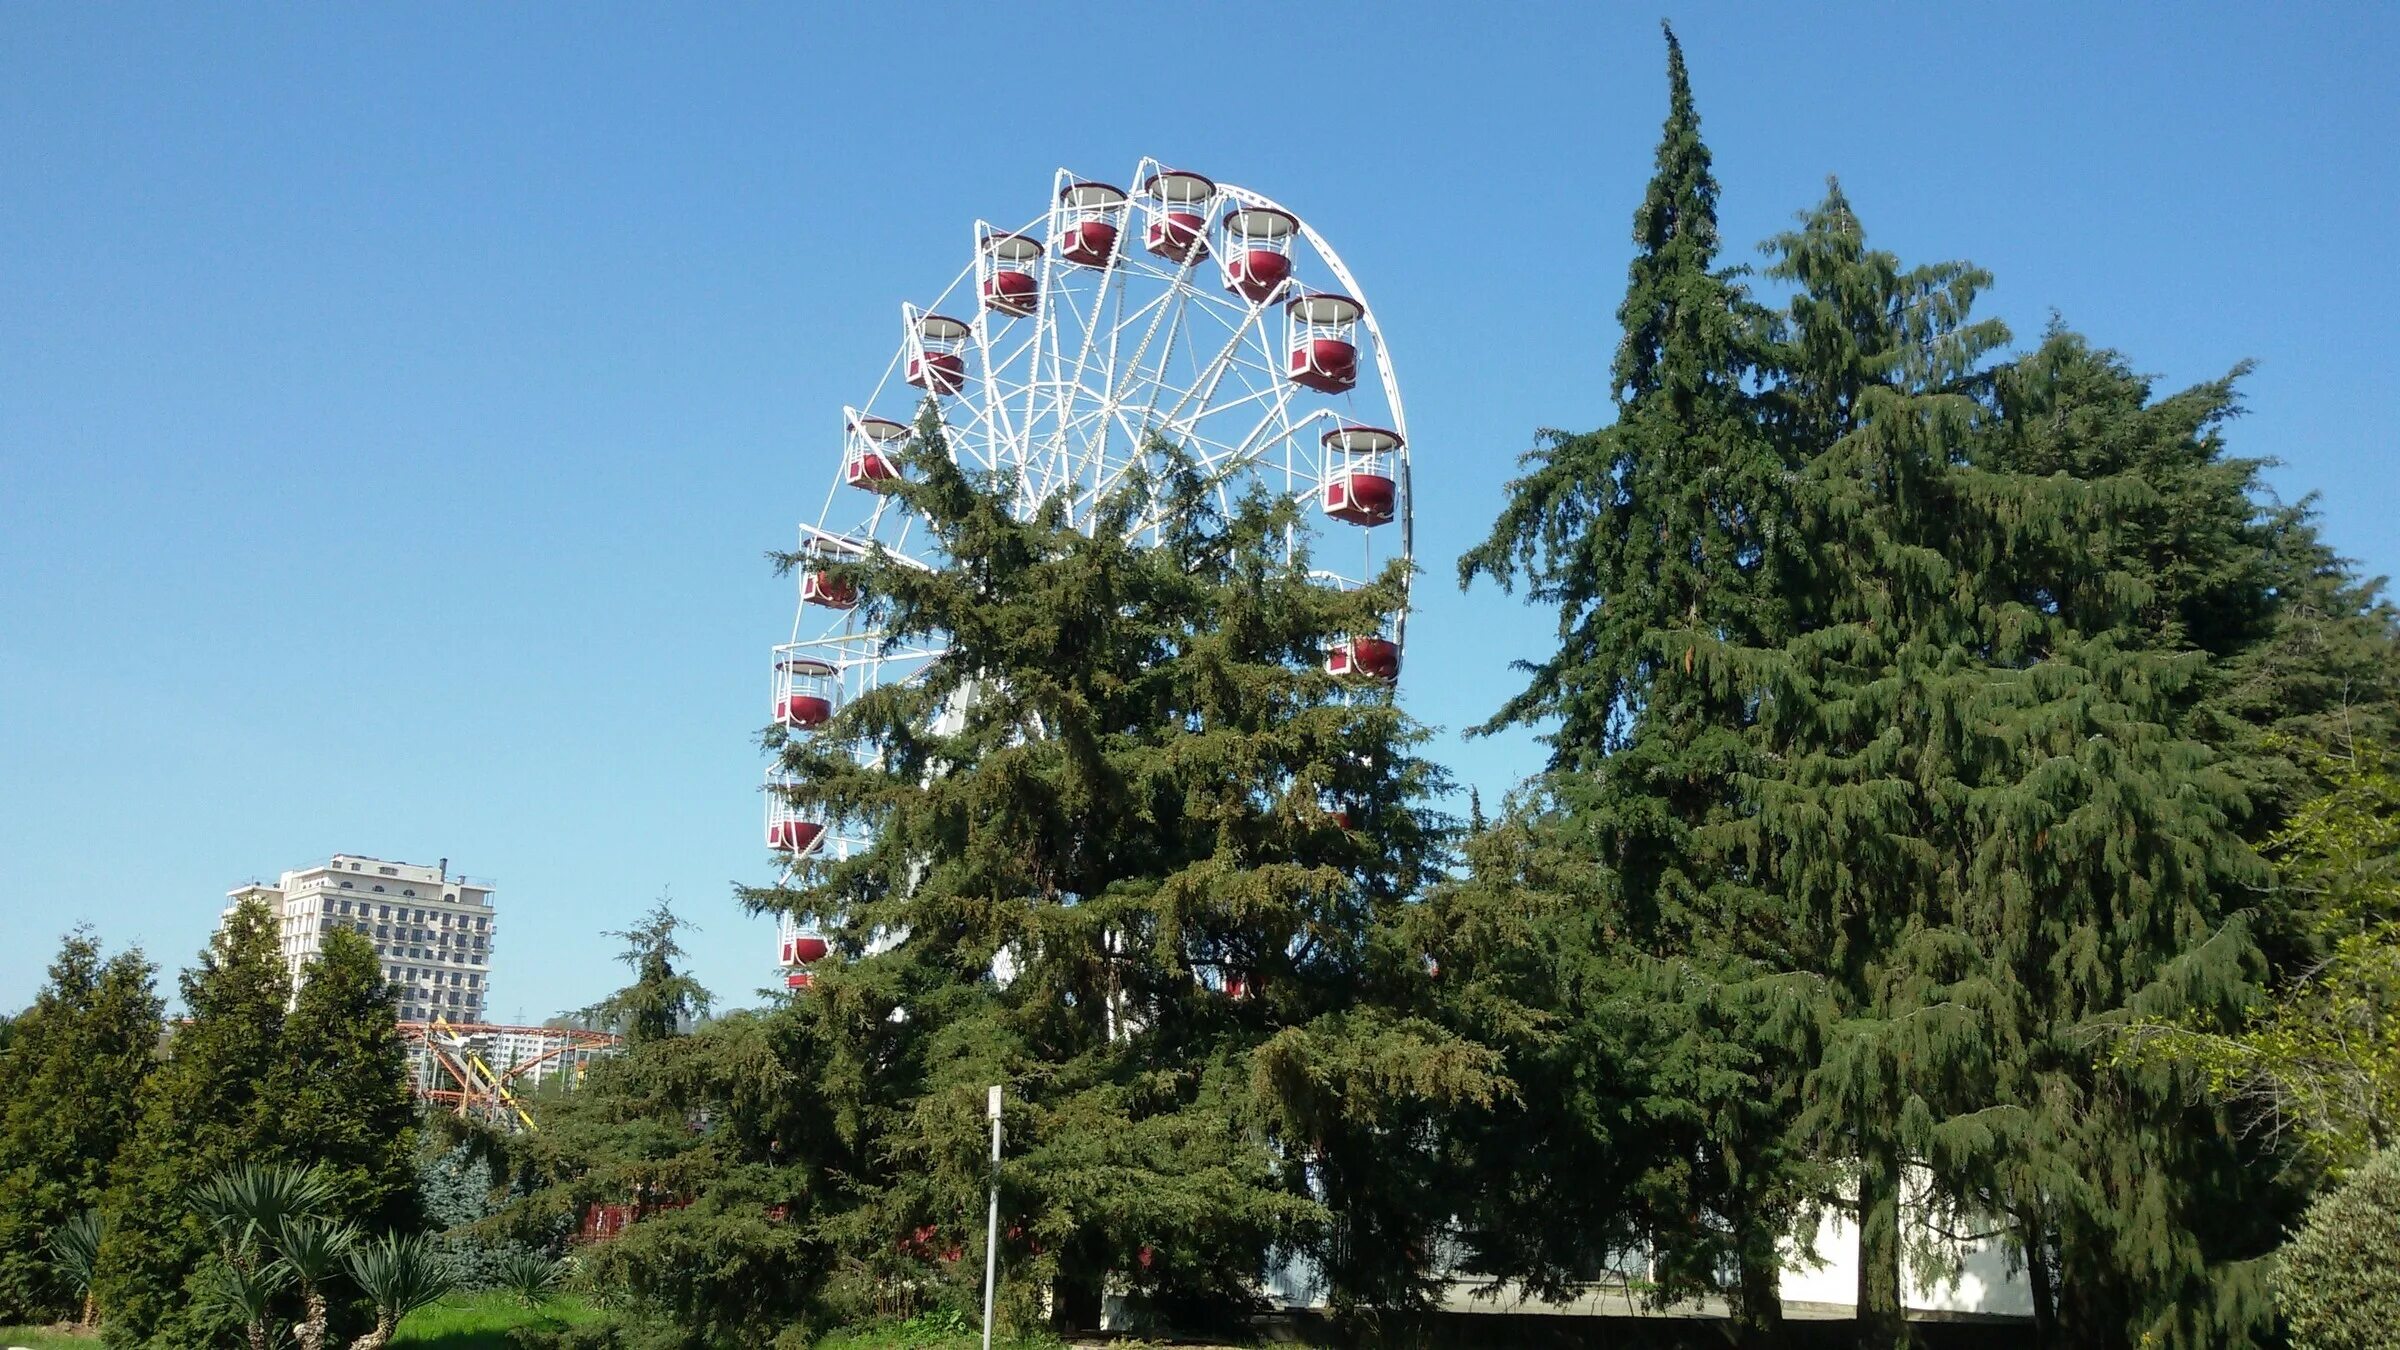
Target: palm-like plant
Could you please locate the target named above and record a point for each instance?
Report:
(400, 1275)
(313, 1250)
(76, 1248)
(530, 1276)
(247, 1293)
(251, 1202)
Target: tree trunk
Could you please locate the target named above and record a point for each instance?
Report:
(1882, 1324)
(309, 1333)
(375, 1339)
(1075, 1304)
(2038, 1277)
(1758, 1304)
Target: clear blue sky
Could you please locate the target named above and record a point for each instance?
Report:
(508, 338)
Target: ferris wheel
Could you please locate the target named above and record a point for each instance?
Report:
(1187, 311)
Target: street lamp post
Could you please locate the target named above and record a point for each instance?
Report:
(991, 1227)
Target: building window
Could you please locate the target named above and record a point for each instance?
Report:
(345, 885)
(408, 893)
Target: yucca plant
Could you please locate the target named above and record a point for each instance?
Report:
(75, 1246)
(399, 1275)
(251, 1202)
(530, 1276)
(313, 1250)
(248, 1294)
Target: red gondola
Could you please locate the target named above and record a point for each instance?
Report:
(1009, 284)
(1373, 658)
(804, 691)
(1321, 335)
(1090, 219)
(1258, 251)
(937, 362)
(1175, 211)
(1359, 487)
(871, 460)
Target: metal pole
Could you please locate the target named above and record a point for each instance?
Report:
(991, 1227)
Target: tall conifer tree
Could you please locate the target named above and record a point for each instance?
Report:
(341, 1093)
(1137, 857)
(204, 1110)
(1663, 541)
(69, 1086)
(1992, 809)
(2139, 1210)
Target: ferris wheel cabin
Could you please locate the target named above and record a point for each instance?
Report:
(1321, 333)
(1258, 251)
(871, 460)
(799, 952)
(789, 829)
(1175, 215)
(937, 362)
(1090, 219)
(1009, 285)
(805, 688)
(1367, 658)
(821, 587)
(1359, 487)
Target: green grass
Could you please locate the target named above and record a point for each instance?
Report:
(42, 1338)
(461, 1322)
(478, 1322)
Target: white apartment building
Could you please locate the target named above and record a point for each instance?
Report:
(433, 929)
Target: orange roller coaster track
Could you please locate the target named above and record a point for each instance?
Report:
(484, 1071)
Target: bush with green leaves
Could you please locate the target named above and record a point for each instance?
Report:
(2339, 1277)
(400, 1274)
(462, 1184)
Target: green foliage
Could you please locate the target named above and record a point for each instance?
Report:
(250, 1204)
(462, 1186)
(1114, 790)
(313, 1251)
(1917, 714)
(70, 1080)
(529, 1276)
(711, 1139)
(661, 1001)
(490, 1321)
(257, 1116)
(341, 1086)
(243, 1294)
(1611, 933)
(204, 1111)
(75, 1249)
(2320, 1061)
(399, 1273)
(2338, 1280)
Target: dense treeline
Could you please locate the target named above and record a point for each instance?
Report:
(1941, 743)
(1963, 821)
(118, 1124)
(1917, 716)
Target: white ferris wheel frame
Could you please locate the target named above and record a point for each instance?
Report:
(1027, 420)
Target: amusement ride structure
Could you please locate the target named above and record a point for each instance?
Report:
(487, 1072)
(1185, 310)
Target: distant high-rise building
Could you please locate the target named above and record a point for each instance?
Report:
(432, 929)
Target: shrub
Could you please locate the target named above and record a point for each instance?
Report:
(2339, 1277)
